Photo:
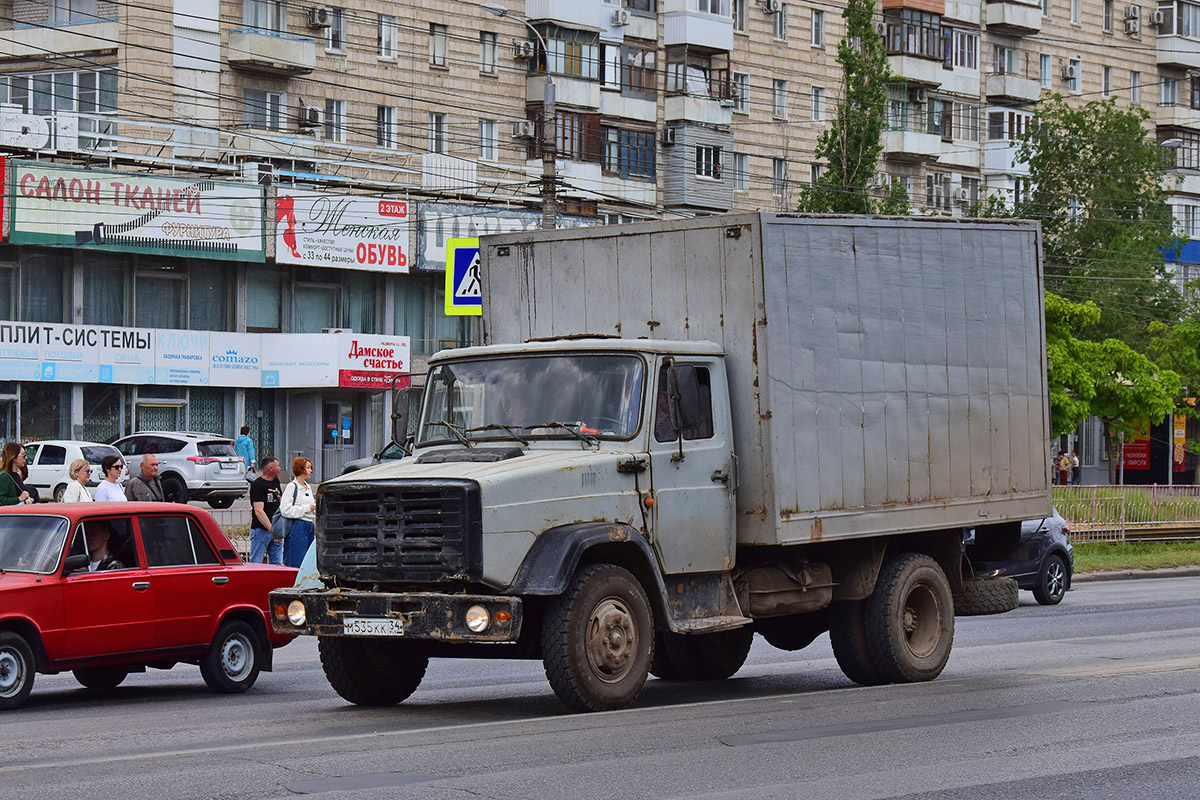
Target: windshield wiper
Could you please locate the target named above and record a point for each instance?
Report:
(496, 426)
(455, 429)
(569, 428)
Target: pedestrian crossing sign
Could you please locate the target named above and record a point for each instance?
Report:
(464, 295)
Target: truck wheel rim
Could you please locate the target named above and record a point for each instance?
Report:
(922, 620)
(237, 657)
(612, 640)
(12, 672)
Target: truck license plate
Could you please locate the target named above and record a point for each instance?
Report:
(367, 626)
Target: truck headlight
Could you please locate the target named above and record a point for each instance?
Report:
(295, 613)
(478, 619)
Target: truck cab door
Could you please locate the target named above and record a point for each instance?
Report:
(692, 471)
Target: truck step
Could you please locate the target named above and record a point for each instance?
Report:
(711, 624)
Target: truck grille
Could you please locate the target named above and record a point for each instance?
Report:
(418, 531)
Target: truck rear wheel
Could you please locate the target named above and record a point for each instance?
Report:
(848, 635)
(707, 656)
(372, 672)
(910, 618)
(598, 639)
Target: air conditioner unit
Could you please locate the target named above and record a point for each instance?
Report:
(772, 6)
(920, 96)
(320, 17)
(310, 117)
(1157, 17)
(620, 17)
(961, 195)
(880, 28)
(1070, 72)
(524, 49)
(1133, 12)
(1133, 26)
(668, 136)
(523, 129)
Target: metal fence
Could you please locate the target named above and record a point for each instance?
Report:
(236, 524)
(1119, 513)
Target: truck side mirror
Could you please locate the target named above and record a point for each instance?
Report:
(400, 414)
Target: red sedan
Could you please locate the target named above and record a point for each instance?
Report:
(105, 589)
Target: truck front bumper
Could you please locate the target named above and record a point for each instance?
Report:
(410, 615)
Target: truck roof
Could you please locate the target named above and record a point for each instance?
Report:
(584, 343)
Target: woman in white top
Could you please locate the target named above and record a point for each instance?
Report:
(76, 491)
(297, 503)
(109, 491)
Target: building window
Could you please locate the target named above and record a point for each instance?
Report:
(385, 126)
(970, 187)
(741, 92)
(265, 15)
(966, 49)
(1076, 80)
(487, 140)
(1004, 60)
(629, 154)
(638, 68)
(914, 33)
(487, 52)
(779, 24)
(818, 28)
(720, 7)
(577, 136)
(263, 110)
(1106, 16)
(1180, 19)
(779, 176)
(698, 74)
(779, 99)
(437, 133)
(335, 120)
(937, 190)
(739, 15)
(386, 39)
(1135, 87)
(1168, 92)
(708, 161)
(572, 53)
(1106, 81)
(44, 94)
(1046, 8)
(818, 104)
(1046, 70)
(741, 172)
(335, 34)
(437, 45)
(1074, 12)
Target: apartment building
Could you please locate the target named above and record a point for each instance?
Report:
(408, 124)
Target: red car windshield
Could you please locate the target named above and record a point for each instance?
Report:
(31, 544)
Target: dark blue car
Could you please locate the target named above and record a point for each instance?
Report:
(1042, 562)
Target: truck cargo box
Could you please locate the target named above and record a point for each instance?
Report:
(887, 374)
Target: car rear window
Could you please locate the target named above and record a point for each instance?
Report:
(216, 449)
(96, 453)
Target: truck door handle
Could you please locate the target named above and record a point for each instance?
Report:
(141, 586)
(720, 476)
(220, 580)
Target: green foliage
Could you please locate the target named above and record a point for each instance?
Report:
(1107, 379)
(895, 202)
(852, 144)
(1096, 186)
(1177, 347)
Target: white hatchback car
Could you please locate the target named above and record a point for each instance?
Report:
(50, 460)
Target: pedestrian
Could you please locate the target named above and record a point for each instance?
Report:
(109, 491)
(244, 446)
(1064, 467)
(76, 491)
(299, 505)
(264, 502)
(145, 487)
(13, 471)
(1075, 476)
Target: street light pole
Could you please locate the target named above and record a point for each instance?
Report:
(549, 126)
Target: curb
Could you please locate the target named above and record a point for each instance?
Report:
(1136, 574)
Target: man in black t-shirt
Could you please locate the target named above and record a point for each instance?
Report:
(264, 502)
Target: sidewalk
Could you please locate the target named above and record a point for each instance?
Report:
(1130, 574)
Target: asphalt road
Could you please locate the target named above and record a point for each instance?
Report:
(1095, 698)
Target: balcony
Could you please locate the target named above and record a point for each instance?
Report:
(699, 28)
(1178, 51)
(701, 110)
(1000, 158)
(576, 14)
(567, 91)
(1010, 88)
(447, 173)
(1014, 18)
(271, 53)
(917, 70)
(1177, 116)
(274, 144)
(79, 37)
(911, 145)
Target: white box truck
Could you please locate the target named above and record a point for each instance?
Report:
(679, 433)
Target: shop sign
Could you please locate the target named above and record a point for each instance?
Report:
(96, 354)
(136, 213)
(347, 231)
(1137, 446)
(441, 222)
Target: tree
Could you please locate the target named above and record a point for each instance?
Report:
(1096, 185)
(853, 142)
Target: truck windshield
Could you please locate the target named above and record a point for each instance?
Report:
(31, 544)
(591, 395)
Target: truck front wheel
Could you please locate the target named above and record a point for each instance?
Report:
(372, 672)
(910, 618)
(598, 639)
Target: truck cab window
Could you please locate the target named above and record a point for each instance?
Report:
(664, 428)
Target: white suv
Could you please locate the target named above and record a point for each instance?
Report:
(50, 460)
(191, 466)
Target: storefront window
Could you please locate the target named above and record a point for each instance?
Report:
(413, 301)
(264, 290)
(206, 410)
(44, 285)
(7, 278)
(359, 293)
(315, 307)
(159, 294)
(104, 291)
(210, 302)
(104, 412)
(45, 411)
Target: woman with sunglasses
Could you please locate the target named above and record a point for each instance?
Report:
(108, 490)
(76, 491)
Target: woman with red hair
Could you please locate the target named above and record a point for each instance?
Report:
(299, 505)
